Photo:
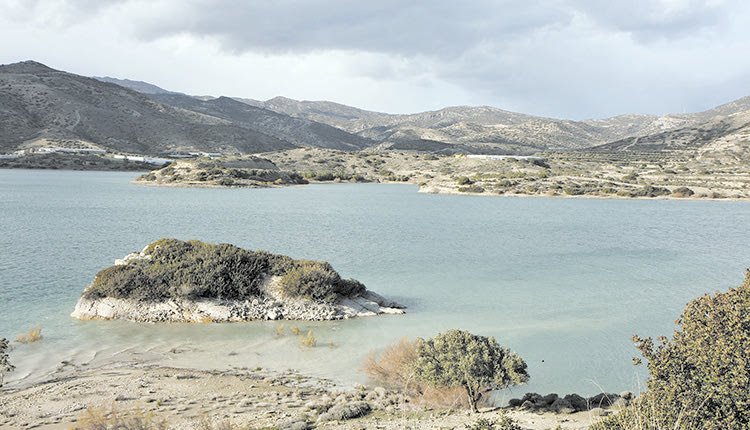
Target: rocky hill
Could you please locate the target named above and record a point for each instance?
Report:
(490, 130)
(140, 86)
(720, 136)
(298, 131)
(41, 106)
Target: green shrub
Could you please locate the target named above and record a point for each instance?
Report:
(471, 189)
(463, 180)
(225, 181)
(317, 281)
(683, 192)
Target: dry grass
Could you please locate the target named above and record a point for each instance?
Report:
(308, 341)
(110, 418)
(393, 368)
(33, 335)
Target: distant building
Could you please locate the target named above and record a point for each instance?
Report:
(502, 157)
(150, 160)
(73, 150)
(206, 154)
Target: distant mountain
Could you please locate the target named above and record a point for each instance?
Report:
(714, 134)
(41, 106)
(487, 129)
(298, 131)
(140, 86)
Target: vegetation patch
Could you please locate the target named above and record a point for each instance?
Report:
(175, 269)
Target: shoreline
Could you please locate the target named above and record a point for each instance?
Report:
(435, 190)
(242, 397)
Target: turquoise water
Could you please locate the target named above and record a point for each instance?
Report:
(563, 282)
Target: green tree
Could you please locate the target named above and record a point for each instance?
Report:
(5, 365)
(479, 364)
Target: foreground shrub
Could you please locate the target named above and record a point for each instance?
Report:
(699, 379)
(193, 269)
(393, 368)
(478, 364)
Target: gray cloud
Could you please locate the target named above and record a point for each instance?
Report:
(562, 58)
(435, 28)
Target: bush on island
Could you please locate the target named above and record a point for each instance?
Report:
(193, 269)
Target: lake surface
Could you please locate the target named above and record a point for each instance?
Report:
(563, 282)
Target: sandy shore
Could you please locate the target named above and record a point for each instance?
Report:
(244, 398)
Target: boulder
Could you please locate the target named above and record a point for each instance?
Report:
(562, 406)
(346, 411)
(577, 402)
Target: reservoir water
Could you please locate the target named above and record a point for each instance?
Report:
(563, 282)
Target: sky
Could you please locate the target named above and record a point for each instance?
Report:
(569, 59)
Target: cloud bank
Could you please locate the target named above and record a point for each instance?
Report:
(561, 58)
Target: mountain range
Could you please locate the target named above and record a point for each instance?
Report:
(41, 106)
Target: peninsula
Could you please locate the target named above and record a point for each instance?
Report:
(191, 281)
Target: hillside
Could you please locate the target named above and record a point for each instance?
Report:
(42, 107)
(485, 129)
(298, 131)
(720, 136)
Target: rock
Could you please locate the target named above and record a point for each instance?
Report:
(346, 411)
(562, 406)
(514, 403)
(528, 405)
(550, 398)
(602, 400)
(627, 395)
(578, 402)
(296, 423)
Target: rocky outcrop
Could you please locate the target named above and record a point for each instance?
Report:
(209, 310)
(271, 306)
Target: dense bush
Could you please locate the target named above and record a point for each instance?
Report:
(317, 281)
(699, 379)
(471, 189)
(195, 269)
(683, 192)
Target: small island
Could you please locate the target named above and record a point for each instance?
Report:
(192, 281)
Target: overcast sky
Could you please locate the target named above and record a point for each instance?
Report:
(570, 59)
